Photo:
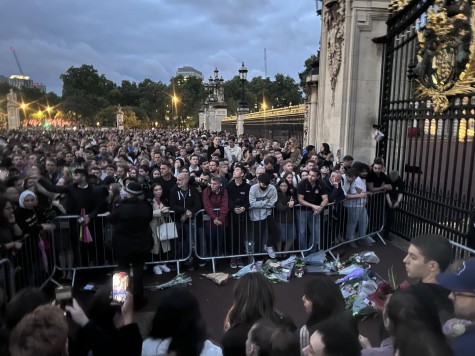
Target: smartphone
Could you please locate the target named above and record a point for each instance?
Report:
(63, 296)
(90, 287)
(120, 282)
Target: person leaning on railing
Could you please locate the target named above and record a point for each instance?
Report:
(10, 232)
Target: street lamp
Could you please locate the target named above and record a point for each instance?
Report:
(175, 101)
(242, 77)
(243, 107)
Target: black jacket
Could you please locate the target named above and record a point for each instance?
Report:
(90, 199)
(181, 201)
(131, 232)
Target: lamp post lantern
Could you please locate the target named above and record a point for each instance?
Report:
(242, 76)
(243, 107)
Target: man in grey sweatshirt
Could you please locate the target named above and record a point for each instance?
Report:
(262, 198)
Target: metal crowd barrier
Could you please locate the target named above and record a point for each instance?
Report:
(461, 252)
(299, 231)
(73, 253)
(289, 231)
(7, 281)
(34, 263)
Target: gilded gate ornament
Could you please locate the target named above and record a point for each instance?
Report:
(445, 59)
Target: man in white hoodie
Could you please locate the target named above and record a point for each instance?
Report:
(231, 151)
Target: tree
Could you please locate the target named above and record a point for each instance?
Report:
(191, 93)
(129, 93)
(260, 90)
(233, 94)
(153, 100)
(107, 117)
(284, 92)
(131, 121)
(86, 82)
(311, 63)
(78, 110)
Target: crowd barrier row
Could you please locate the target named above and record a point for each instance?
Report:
(290, 231)
(71, 247)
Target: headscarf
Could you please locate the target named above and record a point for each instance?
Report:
(23, 196)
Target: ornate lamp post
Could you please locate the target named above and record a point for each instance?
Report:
(242, 77)
(243, 107)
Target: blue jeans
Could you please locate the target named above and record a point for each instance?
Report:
(356, 216)
(307, 219)
(287, 231)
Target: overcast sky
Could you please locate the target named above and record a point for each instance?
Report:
(138, 39)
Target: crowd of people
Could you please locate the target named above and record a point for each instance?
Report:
(117, 189)
(434, 316)
(258, 195)
(261, 196)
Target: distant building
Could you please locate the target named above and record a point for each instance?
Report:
(188, 71)
(19, 81)
(3, 79)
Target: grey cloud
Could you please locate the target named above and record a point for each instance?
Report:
(133, 40)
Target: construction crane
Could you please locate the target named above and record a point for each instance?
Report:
(16, 59)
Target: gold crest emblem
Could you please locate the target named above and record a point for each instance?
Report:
(445, 59)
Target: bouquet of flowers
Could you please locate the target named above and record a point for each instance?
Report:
(180, 280)
(385, 289)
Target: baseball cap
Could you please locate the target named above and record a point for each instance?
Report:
(463, 280)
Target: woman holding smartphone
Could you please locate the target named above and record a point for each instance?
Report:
(132, 236)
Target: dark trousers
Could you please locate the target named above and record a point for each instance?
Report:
(238, 232)
(137, 261)
(183, 240)
(215, 238)
(261, 227)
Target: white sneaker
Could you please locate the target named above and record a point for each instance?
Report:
(270, 251)
(157, 270)
(164, 268)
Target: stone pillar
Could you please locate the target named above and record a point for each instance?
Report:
(241, 114)
(350, 75)
(209, 118)
(312, 90)
(201, 119)
(120, 118)
(13, 112)
(220, 112)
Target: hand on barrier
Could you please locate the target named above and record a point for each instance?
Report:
(17, 245)
(48, 227)
(239, 210)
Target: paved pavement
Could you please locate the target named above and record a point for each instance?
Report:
(215, 300)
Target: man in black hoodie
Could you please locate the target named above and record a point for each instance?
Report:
(132, 236)
(185, 201)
